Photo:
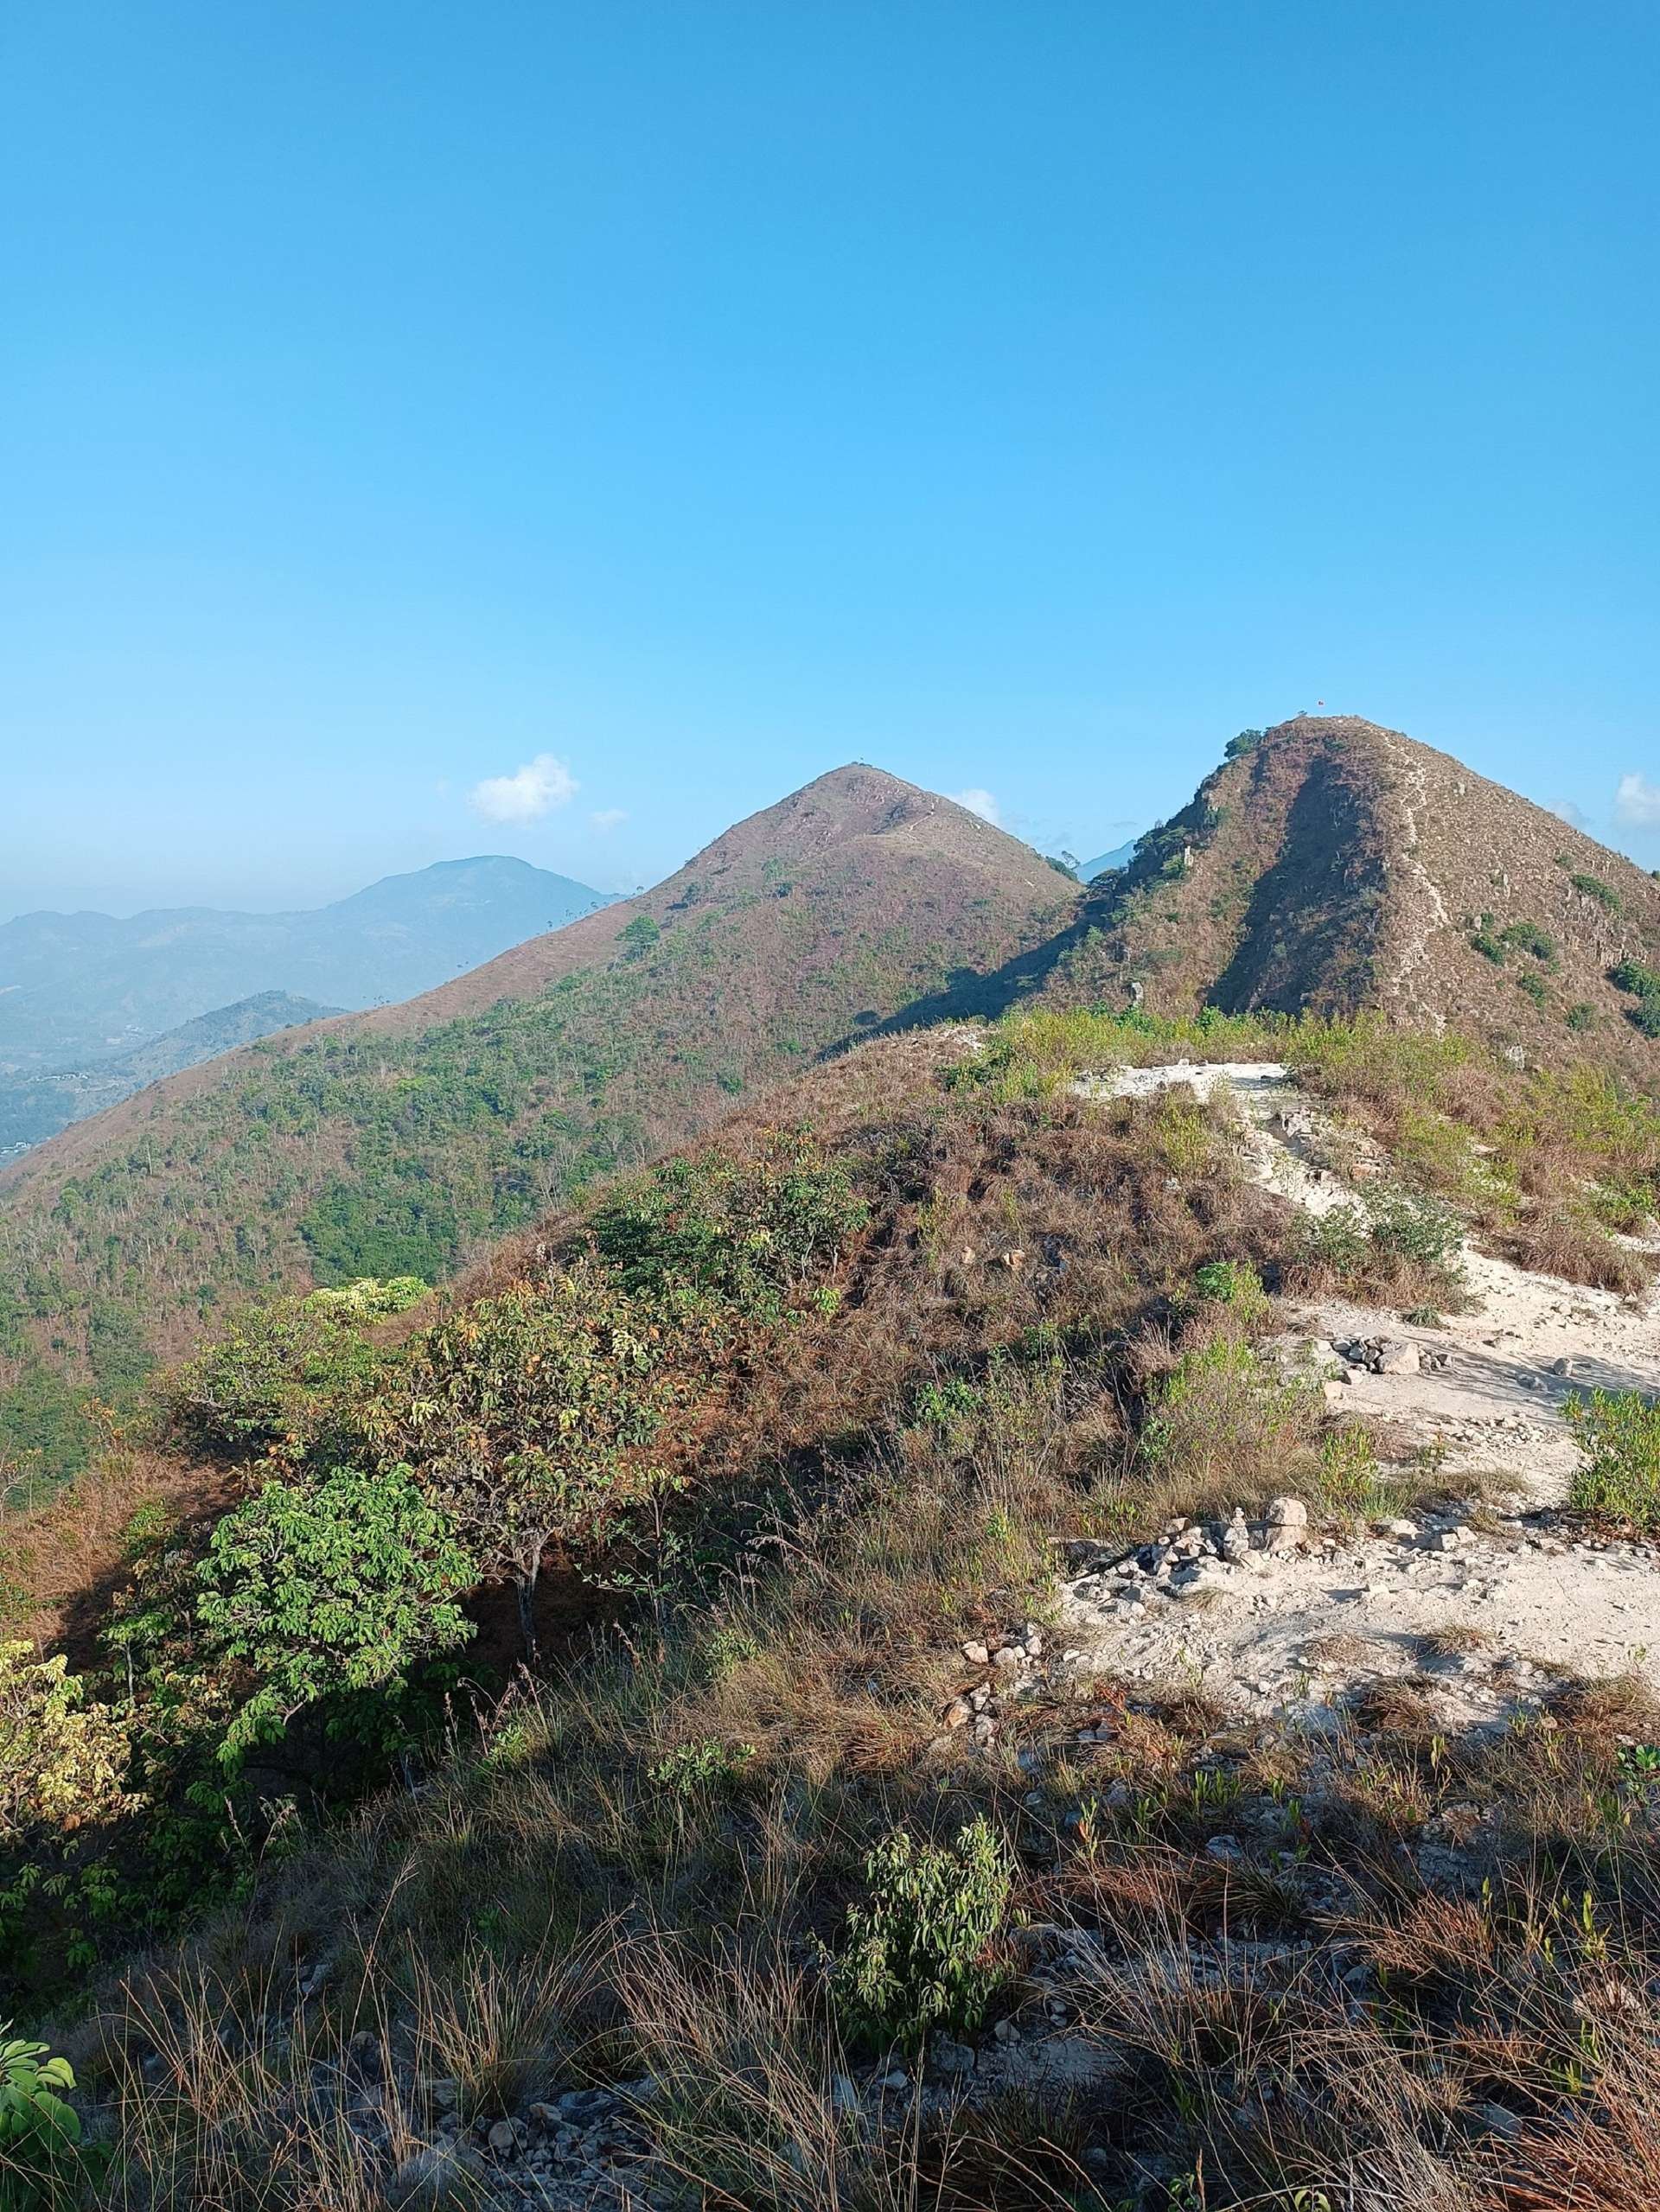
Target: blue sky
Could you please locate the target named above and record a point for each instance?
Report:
(635, 409)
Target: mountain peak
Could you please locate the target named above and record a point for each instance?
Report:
(1335, 864)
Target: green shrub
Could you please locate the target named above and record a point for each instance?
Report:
(708, 1764)
(286, 1381)
(1618, 1431)
(1533, 987)
(312, 1593)
(943, 1406)
(62, 1762)
(1644, 984)
(1417, 1229)
(44, 2165)
(1486, 939)
(915, 1956)
(1234, 1284)
(748, 1230)
(1246, 741)
(1528, 937)
(1582, 1016)
(1594, 888)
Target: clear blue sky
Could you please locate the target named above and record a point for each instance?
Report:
(1022, 395)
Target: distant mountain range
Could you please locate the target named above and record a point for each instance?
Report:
(1120, 857)
(75, 987)
(33, 1107)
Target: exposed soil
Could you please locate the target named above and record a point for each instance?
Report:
(1301, 1629)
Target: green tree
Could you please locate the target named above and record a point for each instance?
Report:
(341, 1586)
(62, 1762)
(525, 1417)
(284, 1381)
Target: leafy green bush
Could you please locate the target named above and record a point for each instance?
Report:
(1395, 1230)
(525, 1416)
(1234, 1284)
(1582, 1016)
(310, 1593)
(43, 2163)
(1594, 888)
(1618, 1431)
(708, 1764)
(62, 1762)
(1644, 984)
(286, 1381)
(748, 1230)
(1532, 986)
(1528, 937)
(942, 1406)
(915, 1956)
(1486, 939)
(1246, 741)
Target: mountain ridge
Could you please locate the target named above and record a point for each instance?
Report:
(406, 1139)
(1335, 863)
(76, 986)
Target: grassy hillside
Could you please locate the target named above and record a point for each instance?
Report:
(404, 1141)
(720, 1906)
(1333, 864)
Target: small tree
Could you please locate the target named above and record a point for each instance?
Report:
(62, 1762)
(338, 1587)
(284, 1381)
(525, 1416)
(917, 1955)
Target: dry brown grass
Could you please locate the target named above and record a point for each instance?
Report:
(60, 1559)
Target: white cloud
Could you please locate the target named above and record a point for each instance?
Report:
(526, 795)
(1566, 811)
(1638, 802)
(981, 803)
(608, 817)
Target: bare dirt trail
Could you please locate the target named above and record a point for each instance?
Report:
(1400, 986)
(1486, 1605)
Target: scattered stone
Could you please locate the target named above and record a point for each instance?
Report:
(958, 1713)
(976, 1655)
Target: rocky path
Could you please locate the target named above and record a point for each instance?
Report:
(1482, 1608)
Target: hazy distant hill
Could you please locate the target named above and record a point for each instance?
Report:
(1120, 857)
(76, 986)
(35, 1107)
